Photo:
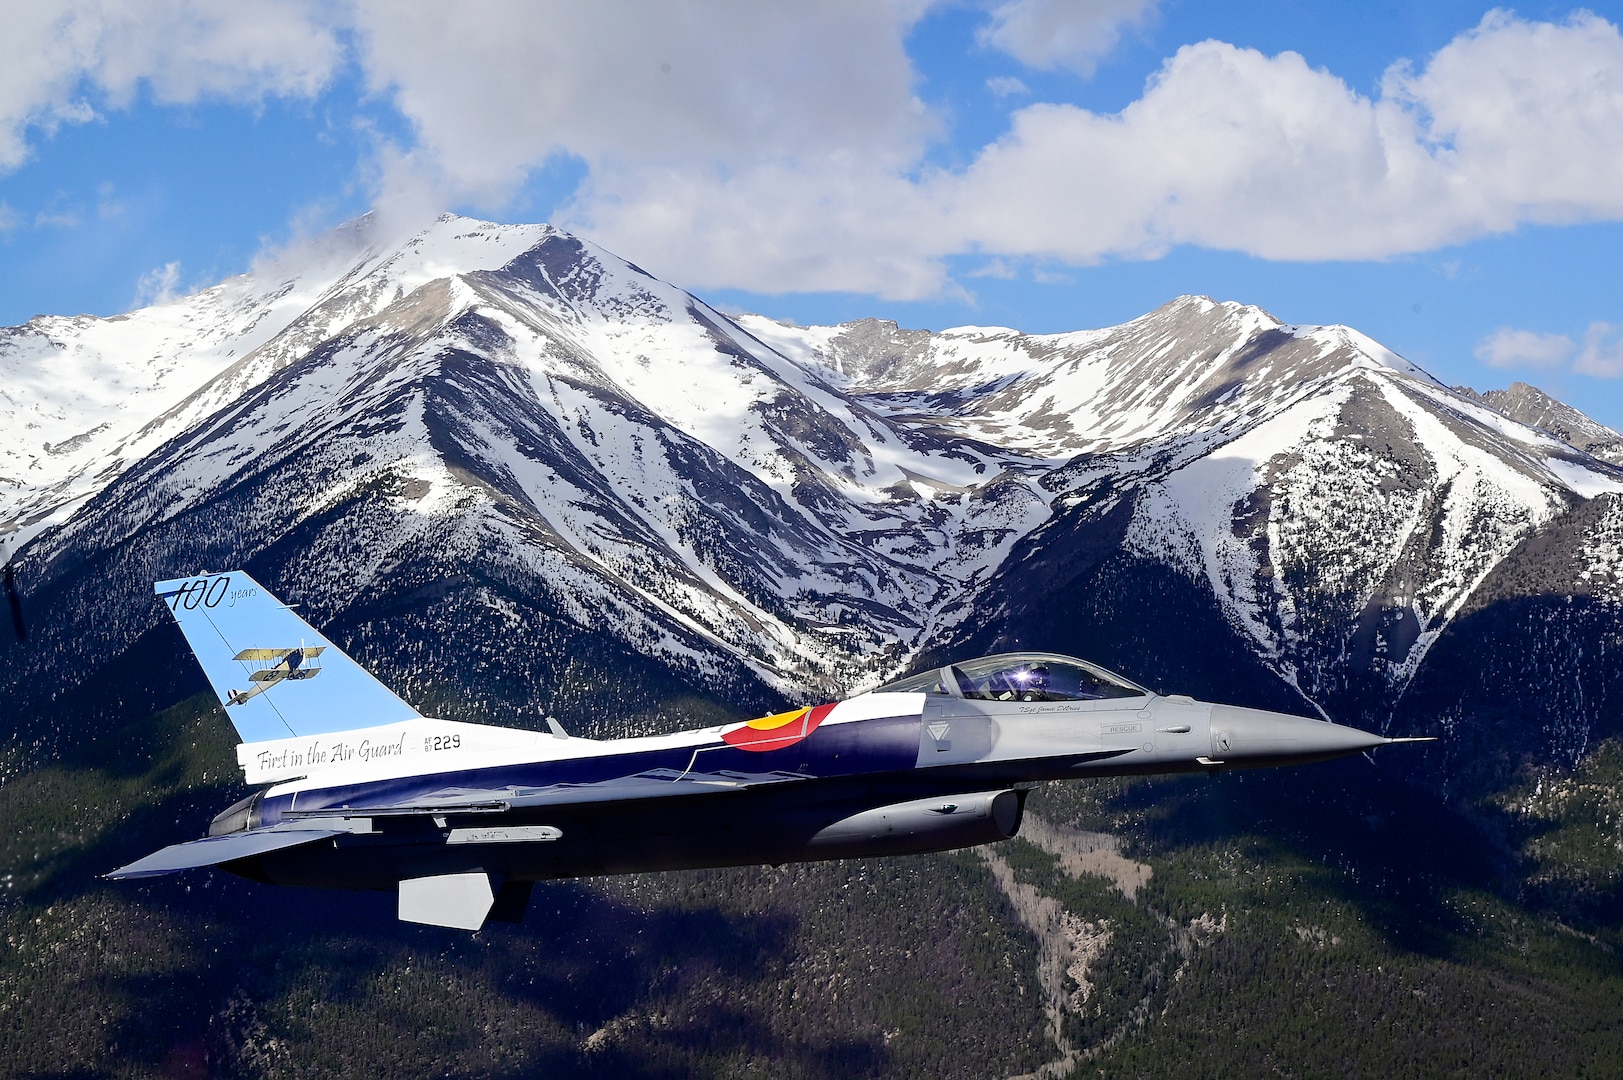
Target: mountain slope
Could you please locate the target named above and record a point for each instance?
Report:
(518, 476)
(748, 504)
(1535, 408)
(1338, 506)
(84, 398)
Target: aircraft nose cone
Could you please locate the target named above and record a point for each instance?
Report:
(1254, 736)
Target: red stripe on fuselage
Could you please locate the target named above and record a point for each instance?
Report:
(760, 739)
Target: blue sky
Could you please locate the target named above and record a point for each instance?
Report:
(1039, 164)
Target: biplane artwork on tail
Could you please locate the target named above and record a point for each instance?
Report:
(274, 666)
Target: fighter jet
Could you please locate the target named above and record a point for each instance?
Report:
(460, 819)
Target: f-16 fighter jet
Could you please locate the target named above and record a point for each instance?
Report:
(461, 819)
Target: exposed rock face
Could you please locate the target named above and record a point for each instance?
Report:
(520, 475)
(1535, 408)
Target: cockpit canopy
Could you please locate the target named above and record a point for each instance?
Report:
(1022, 676)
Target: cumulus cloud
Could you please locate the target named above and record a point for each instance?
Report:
(1509, 349)
(1526, 118)
(1511, 122)
(782, 227)
(1602, 352)
(1599, 354)
(1074, 34)
(59, 58)
(1227, 148)
(727, 142)
(624, 84)
(159, 285)
(780, 147)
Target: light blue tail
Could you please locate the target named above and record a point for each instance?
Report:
(275, 675)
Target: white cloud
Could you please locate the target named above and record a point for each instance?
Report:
(1526, 117)
(781, 227)
(1602, 354)
(1509, 349)
(727, 142)
(1227, 148)
(1001, 269)
(157, 286)
(56, 56)
(108, 205)
(625, 85)
(781, 147)
(1074, 34)
(58, 216)
(1512, 122)
(1004, 85)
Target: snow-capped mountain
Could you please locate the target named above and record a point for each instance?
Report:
(83, 398)
(517, 468)
(1535, 408)
(1339, 506)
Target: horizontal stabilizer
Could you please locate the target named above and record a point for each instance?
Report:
(214, 850)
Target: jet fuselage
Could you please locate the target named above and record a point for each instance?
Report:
(923, 773)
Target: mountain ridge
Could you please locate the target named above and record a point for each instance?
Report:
(800, 509)
(556, 486)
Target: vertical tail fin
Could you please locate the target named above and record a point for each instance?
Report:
(274, 673)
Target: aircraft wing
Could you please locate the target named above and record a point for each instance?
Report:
(653, 784)
(271, 655)
(213, 850)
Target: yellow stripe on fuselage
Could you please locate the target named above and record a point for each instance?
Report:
(777, 720)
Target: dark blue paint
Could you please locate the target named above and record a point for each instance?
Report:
(881, 745)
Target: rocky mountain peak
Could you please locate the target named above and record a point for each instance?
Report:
(1531, 406)
(542, 441)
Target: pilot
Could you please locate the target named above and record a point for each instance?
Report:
(1036, 688)
(1019, 684)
